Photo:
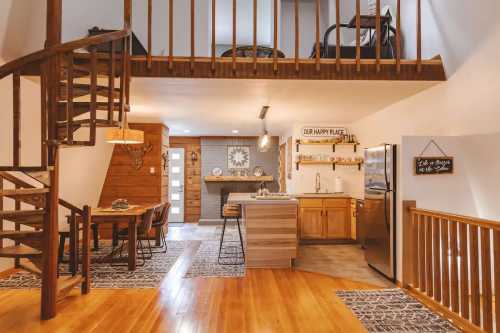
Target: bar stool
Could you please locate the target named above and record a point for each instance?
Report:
(234, 212)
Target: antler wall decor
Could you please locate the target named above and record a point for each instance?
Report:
(137, 153)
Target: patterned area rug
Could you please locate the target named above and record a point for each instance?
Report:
(115, 277)
(205, 262)
(392, 310)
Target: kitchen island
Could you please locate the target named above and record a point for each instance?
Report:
(271, 239)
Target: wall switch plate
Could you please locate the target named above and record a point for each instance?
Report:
(152, 170)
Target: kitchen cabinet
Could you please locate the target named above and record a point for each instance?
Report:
(313, 229)
(325, 218)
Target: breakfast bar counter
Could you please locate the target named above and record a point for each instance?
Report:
(271, 230)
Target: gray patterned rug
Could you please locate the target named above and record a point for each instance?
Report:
(205, 262)
(115, 277)
(392, 310)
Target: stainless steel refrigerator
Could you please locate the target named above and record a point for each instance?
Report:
(379, 211)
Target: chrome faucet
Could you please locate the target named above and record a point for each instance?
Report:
(318, 182)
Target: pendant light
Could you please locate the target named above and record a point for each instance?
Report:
(264, 142)
(124, 135)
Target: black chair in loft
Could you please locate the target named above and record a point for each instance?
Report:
(368, 41)
(246, 51)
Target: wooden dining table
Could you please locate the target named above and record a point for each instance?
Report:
(132, 216)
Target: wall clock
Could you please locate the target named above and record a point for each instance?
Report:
(238, 157)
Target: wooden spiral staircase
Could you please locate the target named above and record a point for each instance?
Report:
(83, 84)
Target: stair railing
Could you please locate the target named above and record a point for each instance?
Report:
(452, 263)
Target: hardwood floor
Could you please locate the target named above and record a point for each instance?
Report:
(264, 300)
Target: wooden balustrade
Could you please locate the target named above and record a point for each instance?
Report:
(448, 263)
(383, 64)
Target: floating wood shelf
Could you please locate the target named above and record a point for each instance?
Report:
(305, 143)
(239, 179)
(333, 164)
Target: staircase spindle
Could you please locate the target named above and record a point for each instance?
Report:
(337, 36)
(436, 235)
(414, 235)
(193, 13)
(123, 78)
(93, 89)
(275, 39)
(379, 36)
(43, 115)
(398, 37)
(129, 71)
(421, 252)
(419, 36)
(111, 82)
(254, 46)
(464, 271)
(358, 35)
(170, 34)
(297, 35)
(87, 216)
(213, 35)
(318, 50)
(428, 256)
(486, 279)
(150, 33)
(454, 269)
(445, 263)
(1, 209)
(474, 277)
(69, 98)
(233, 55)
(16, 89)
(496, 270)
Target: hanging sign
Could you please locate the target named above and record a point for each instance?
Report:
(323, 131)
(433, 165)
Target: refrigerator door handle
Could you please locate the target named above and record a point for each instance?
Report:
(386, 215)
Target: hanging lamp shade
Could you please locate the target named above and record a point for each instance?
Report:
(124, 136)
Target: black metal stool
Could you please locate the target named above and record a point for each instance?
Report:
(231, 211)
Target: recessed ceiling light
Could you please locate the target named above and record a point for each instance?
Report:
(187, 131)
(235, 131)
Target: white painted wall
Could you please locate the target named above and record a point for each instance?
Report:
(467, 104)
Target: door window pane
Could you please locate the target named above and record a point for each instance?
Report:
(176, 156)
(176, 169)
(176, 197)
(176, 210)
(176, 183)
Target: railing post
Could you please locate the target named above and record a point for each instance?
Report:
(297, 35)
(87, 215)
(317, 31)
(170, 34)
(1, 208)
(50, 240)
(358, 35)
(409, 243)
(193, 36)
(233, 53)
(254, 46)
(275, 39)
(150, 32)
(419, 36)
(214, 4)
(398, 37)
(337, 36)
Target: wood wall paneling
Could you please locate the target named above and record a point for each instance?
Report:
(137, 186)
(192, 174)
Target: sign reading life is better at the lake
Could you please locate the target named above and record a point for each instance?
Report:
(324, 131)
(433, 165)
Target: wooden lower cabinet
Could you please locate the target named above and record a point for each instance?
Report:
(325, 219)
(313, 229)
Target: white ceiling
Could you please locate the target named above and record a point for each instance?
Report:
(216, 107)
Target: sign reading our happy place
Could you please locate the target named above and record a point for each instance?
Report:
(323, 131)
(433, 165)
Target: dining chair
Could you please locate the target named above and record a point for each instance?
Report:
(160, 224)
(142, 234)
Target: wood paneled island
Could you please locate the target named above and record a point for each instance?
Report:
(271, 239)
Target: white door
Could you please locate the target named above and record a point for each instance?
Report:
(176, 186)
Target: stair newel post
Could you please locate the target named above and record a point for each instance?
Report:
(43, 109)
(123, 77)
(87, 216)
(50, 239)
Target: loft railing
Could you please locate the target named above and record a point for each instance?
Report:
(318, 59)
(452, 263)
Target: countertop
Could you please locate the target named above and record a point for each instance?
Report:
(323, 195)
(246, 199)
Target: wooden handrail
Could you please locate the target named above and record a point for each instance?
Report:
(18, 64)
(495, 225)
(70, 207)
